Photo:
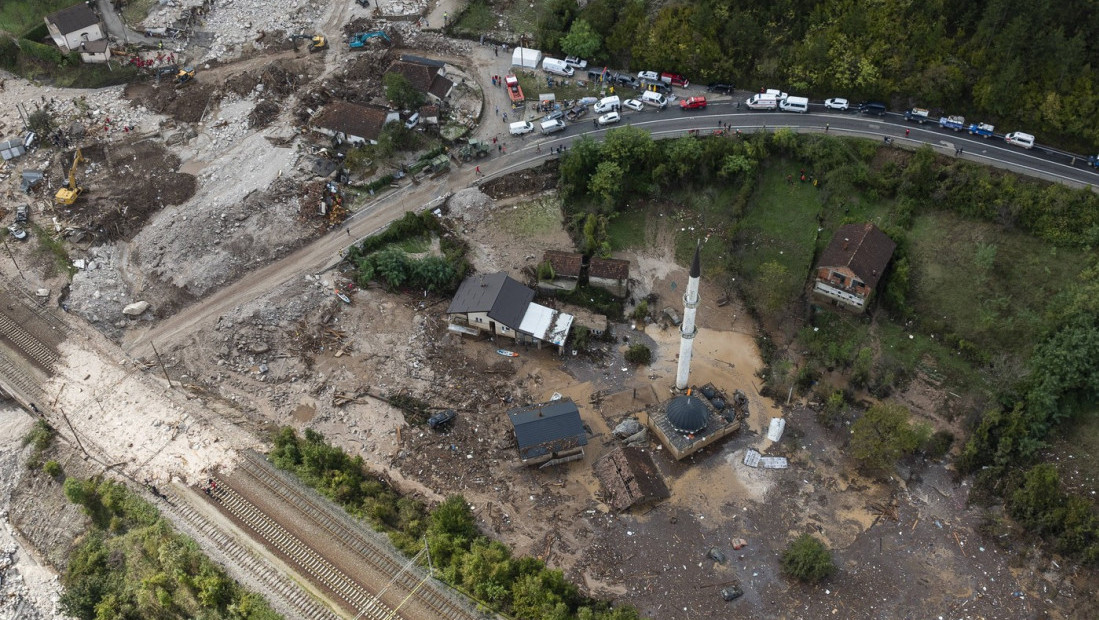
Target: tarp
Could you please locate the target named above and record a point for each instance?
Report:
(526, 57)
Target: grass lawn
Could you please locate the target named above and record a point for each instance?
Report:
(19, 16)
(988, 285)
(532, 218)
(780, 225)
(626, 230)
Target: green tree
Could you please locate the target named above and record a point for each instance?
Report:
(606, 183)
(881, 437)
(682, 158)
(401, 92)
(639, 354)
(581, 40)
(807, 559)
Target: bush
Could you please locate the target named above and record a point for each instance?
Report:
(881, 437)
(641, 312)
(639, 354)
(54, 469)
(807, 559)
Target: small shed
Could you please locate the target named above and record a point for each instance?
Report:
(526, 57)
(549, 433)
(566, 270)
(95, 51)
(612, 274)
(629, 477)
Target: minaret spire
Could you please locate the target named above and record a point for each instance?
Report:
(687, 329)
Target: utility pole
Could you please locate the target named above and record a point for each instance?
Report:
(161, 362)
(12, 256)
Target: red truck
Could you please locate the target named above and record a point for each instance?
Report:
(515, 92)
(674, 79)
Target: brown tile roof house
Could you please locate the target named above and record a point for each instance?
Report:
(354, 121)
(851, 266)
(629, 476)
(423, 77)
(565, 264)
(609, 268)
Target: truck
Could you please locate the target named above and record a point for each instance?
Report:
(982, 129)
(1093, 161)
(957, 123)
(674, 79)
(515, 92)
(917, 115)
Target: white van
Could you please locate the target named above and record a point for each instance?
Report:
(794, 104)
(553, 126)
(522, 127)
(654, 98)
(558, 67)
(608, 104)
(1019, 138)
(762, 101)
(776, 92)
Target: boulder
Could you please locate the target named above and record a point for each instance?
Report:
(135, 308)
(628, 427)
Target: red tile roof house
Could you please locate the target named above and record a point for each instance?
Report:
(353, 123)
(566, 270)
(612, 274)
(851, 266)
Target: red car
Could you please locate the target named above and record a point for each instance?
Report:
(693, 103)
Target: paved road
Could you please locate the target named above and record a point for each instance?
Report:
(117, 29)
(1042, 162)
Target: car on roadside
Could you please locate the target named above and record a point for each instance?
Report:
(554, 115)
(576, 112)
(651, 76)
(720, 88)
(634, 104)
(627, 80)
(576, 63)
(17, 232)
(837, 103)
(609, 118)
(874, 108)
(693, 103)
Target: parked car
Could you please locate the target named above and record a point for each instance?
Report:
(443, 417)
(720, 88)
(554, 115)
(521, 127)
(627, 80)
(609, 118)
(1018, 138)
(693, 103)
(412, 120)
(652, 76)
(17, 232)
(22, 213)
(837, 103)
(872, 107)
(576, 112)
(634, 104)
(552, 126)
(576, 63)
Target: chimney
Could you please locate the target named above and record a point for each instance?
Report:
(845, 240)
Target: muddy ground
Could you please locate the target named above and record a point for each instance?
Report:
(904, 549)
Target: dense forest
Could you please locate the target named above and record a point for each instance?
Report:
(1021, 64)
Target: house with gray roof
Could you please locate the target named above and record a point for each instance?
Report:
(72, 26)
(498, 305)
(549, 433)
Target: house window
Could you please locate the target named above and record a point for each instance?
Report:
(478, 320)
(505, 329)
(838, 277)
(856, 283)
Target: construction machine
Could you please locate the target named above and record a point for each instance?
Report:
(359, 39)
(317, 42)
(185, 75)
(68, 195)
(474, 148)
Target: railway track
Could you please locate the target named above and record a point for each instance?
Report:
(32, 347)
(407, 582)
(16, 378)
(292, 594)
(301, 554)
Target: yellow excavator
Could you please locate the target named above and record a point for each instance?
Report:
(68, 195)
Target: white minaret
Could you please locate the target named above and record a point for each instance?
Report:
(687, 329)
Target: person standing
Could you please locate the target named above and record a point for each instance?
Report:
(906, 132)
